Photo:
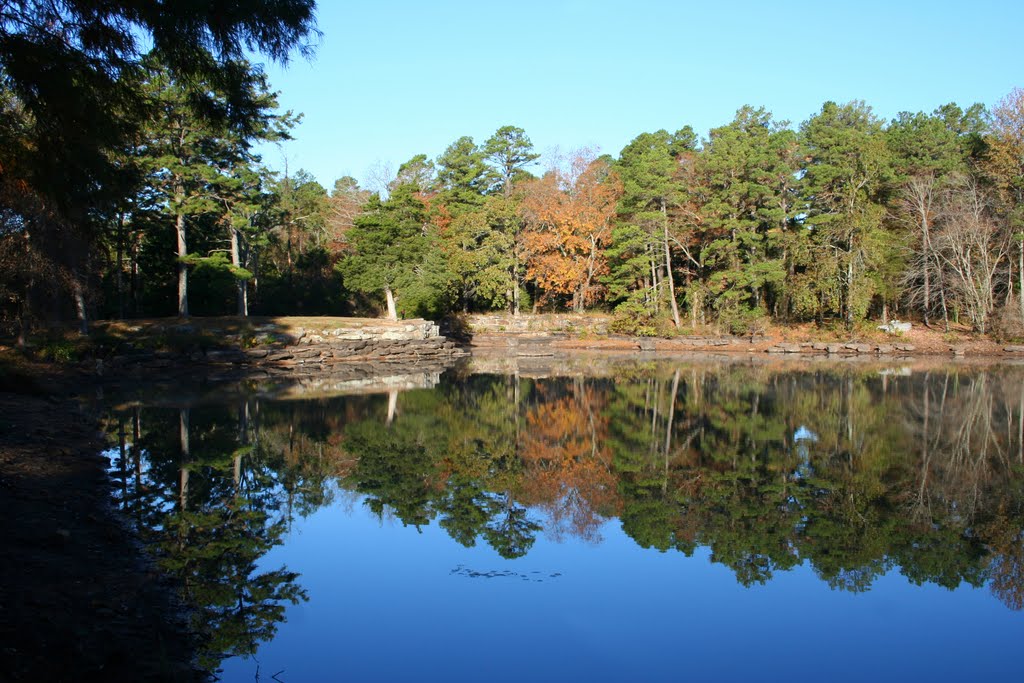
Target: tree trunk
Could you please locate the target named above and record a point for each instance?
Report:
(849, 287)
(120, 266)
(137, 463)
(655, 284)
(243, 440)
(241, 284)
(390, 297)
(1009, 283)
(692, 299)
(122, 463)
(254, 259)
(515, 283)
(927, 296)
(670, 279)
(185, 457)
(133, 282)
(392, 407)
(926, 230)
(23, 318)
(1020, 274)
(942, 300)
(668, 426)
(80, 310)
(182, 267)
(584, 291)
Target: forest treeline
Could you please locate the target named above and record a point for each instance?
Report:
(155, 203)
(848, 471)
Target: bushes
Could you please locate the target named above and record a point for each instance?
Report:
(1008, 323)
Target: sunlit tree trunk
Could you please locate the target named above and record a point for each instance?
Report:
(669, 278)
(392, 407)
(389, 296)
(241, 284)
(655, 284)
(179, 224)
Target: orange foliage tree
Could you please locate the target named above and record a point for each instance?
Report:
(568, 464)
(567, 215)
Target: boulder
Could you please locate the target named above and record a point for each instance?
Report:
(895, 327)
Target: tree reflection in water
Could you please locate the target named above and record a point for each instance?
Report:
(853, 471)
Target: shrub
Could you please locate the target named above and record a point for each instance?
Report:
(1008, 324)
(59, 351)
(743, 322)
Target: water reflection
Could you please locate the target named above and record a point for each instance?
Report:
(851, 471)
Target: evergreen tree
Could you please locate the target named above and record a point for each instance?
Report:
(642, 243)
(462, 176)
(509, 152)
(72, 99)
(198, 165)
(746, 173)
(390, 249)
(845, 186)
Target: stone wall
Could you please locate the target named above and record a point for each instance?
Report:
(368, 330)
(359, 341)
(849, 348)
(544, 323)
(317, 349)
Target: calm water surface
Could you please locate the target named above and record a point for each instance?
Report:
(661, 521)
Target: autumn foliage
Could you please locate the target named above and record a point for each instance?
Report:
(567, 463)
(568, 215)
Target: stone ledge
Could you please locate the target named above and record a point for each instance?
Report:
(849, 348)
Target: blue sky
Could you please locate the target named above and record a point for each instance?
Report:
(391, 80)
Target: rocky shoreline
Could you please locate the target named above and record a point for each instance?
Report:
(273, 348)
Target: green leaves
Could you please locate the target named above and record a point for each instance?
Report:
(462, 175)
(509, 152)
(393, 250)
(847, 181)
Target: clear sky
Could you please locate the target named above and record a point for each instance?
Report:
(399, 78)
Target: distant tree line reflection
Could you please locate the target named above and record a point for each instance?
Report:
(851, 471)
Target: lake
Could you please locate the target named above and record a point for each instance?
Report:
(600, 519)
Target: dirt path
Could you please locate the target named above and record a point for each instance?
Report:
(77, 600)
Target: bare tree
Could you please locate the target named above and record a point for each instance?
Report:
(343, 207)
(972, 247)
(379, 176)
(918, 207)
